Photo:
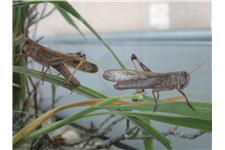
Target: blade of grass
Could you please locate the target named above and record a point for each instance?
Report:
(41, 119)
(18, 40)
(19, 29)
(22, 134)
(148, 143)
(67, 17)
(25, 3)
(201, 124)
(188, 122)
(148, 128)
(38, 121)
(203, 110)
(83, 90)
(55, 125)
(97, 103)
(68, 8)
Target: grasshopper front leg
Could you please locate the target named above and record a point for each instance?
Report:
(155, 99)
(44, 72)
(189, 104)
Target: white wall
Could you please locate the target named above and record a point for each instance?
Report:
(132, 16)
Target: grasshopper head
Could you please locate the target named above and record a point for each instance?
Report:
(25, 47)
(183, 79)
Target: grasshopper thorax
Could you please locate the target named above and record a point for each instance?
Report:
(183, 79)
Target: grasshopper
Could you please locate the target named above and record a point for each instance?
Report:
(146, 79)
(51, 58)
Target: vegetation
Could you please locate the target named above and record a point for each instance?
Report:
(139, 113)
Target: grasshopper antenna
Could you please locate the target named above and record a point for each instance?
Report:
(39, 39)
(196, 68)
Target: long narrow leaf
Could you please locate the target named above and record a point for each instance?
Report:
(41, 119)
(148, 143)
(188, 122)
(63, 122)
(203, 109)
(38, 121)
(201, 124)
(67, 17)
(68, 8)
(148, 128)
(83, 90)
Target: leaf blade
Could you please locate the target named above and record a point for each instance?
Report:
(67, 7)
(201, 124)
(148, 128)
(83, 90)
(69, 20)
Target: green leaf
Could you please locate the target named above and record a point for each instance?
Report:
(148, 143)
(69, 119)
(63, 5)
(188, 122)
(177, 113)
(107, 101)
(19, 29)
(201, 124)
(148, 128)
(18, 40)
(83, 90)
(58, 124)
(67, 17)
(203, 109)
(25, 3)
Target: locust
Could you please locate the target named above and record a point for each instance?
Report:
(51, 58)
(147, 79)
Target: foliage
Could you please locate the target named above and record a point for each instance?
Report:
(140, 113)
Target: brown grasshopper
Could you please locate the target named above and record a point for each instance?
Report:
(51, 58)
(146, 79)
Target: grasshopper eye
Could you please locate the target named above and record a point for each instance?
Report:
(184, 74)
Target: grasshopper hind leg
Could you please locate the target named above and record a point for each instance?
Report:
(156, 97)
(189, 104)
(77, 67)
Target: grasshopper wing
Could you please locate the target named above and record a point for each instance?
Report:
(89, 67)
(117, 75)
(85, 66)
(137, 84)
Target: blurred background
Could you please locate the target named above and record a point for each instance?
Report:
(108, 17)
(166, 36)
